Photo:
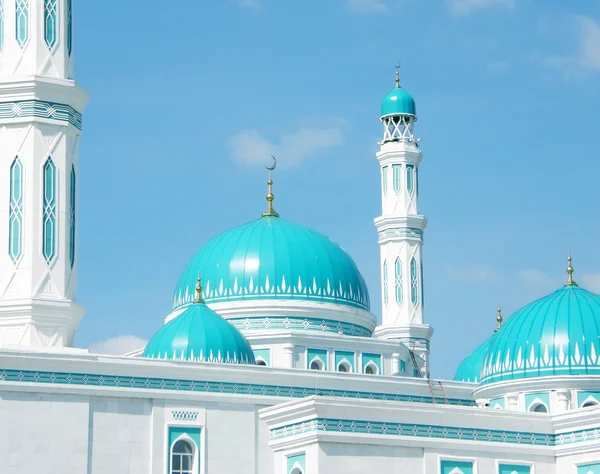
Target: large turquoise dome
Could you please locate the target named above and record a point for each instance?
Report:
(556, 335)
(470, 368)
(199, 334)
(273, 259)
(398, 102)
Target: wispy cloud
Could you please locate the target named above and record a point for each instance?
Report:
(536, 281)
(366, 5)
(249, 4)
(591, 281)
(251, 147)
(470, 273)
(464, 7)
(118, 345)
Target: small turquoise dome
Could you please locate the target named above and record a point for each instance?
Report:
(199, 334)
(273, 259)
(398, 102)
(470, 368)
(558, 334)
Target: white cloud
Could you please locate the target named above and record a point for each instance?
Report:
(118, 345)
(590, 281)
(366, 5)
(536, 281)
(464, 7)
(250, 147)
(249, 4)
(470, 273)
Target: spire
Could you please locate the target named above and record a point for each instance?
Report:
(570, 271)
(270, 197)
(199, 299)
(398, 75)
(499, 319)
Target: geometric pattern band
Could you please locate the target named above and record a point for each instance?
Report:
(299, 324)
(41, 109)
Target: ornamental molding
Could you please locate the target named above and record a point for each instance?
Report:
(45, 89)
(24, 109)
(415, 221)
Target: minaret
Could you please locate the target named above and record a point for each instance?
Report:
(40, 125)
(400, 227)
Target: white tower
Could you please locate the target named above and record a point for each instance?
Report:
(40, 124)
(400, 227)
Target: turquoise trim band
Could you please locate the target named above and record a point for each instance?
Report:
(40, 109)
(202, 386)
(300, 324)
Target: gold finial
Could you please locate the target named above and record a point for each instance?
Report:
(199, 291)
(499, 319)
(398, 75)
(570, 271)
(270, 198)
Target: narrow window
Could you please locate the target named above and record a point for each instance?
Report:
(49, 216)
(398, 279)
(22, 22)
(344, 367)
(417, 181)
(410, 178)
(396, 172)
(370, 370)
(414, 280)
(539, 408)
(50, 22)
(182, 458)
(69, 26)
(72, 217)
(15, 217)
(402, 366)
(385, 284)
(384, 177)
(261, 362)
(1, 24)
(316, 364)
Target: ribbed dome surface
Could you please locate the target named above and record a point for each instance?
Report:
(558, 334)
(398, 102)
(273, 259)
(470, 368)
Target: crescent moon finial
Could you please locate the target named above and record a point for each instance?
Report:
(272, 168)
(398, 74)
(270, 212)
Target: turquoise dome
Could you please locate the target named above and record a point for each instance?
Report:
(558, 334)
(199, 334)
(273, 259)
(470, 368)
(398, 102)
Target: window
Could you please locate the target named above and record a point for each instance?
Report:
(15, 216)
(396, 174)
(50, 22)
(410, 178)
(296, 470)
(414, 280)
(398, 280)
(538, 408)
(384, 179)
(69, 26)
(385, 284)
(22, 22)
(371, 369)
(590, 403)
(49, 214)
(261, 362)
(182, 458)
(316, 364)
(72, 218)
(344, 367)
(402, 365)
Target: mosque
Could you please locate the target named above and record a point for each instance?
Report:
(271, 361)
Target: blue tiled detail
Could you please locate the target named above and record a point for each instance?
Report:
(321, 354)
(374, 358)
(180, 415)
(513, 469)
(176, 432)
(50, 22)
(497, 403)
(296, 461)
(589, 469)
(300, 324)
(202, 386)
(530, 398)
(22, 22)
(344, 356)
(449, 466)
(40, 109)
(264, 354)
(586, 397)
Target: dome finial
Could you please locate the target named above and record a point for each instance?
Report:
(270, 198)
(398, 75)
(499, 319)
(570, 271)
(199, 299)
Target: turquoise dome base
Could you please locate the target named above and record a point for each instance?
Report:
(199, 334)
(556, 335)
(398, 102)
(273, 259)
(469, 369)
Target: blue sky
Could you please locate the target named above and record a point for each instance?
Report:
(188, 100)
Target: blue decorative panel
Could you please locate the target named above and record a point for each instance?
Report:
(49, 212)
(175, 433)
(22, 21)
(531, 399)
(50, 22)
(402, 365)
(291, 323)
(398, 281)
(497, 403)
(297, 461)
(40, 109)
(320, 354)
(15, 218)
(69, 20)
(384, 179)
(371, 359)
(414, 282)
(513, 469)
(344, 356)
(456, 467)
(385, 283)
(72, 203)
(589, 469)
(1, 25)
(264, 354)
(587, 397)
(396, 170)
(410, 178)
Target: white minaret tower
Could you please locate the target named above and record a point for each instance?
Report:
(400, 227)
(40, 125)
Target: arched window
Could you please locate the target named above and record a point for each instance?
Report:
(398, 280)
(72, 217)
(410, 178)
(384, 179)
(49, 207)
(590, 403)
(414, 282)
(538, 408)
(22, 22)
(15, 219)
(396, 175)
(344, 367)
(50, 22)
(371, 369)
(182, 457)
(385, 283)
(261, 362)
(316, 364)
(296, 470)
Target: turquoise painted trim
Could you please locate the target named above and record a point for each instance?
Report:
(296, 460)
(344, 356)
(404, 232)
(371, 358)
(40, 109)
(22, 22)
(50, 23)
(176, 432)
(582, 397)
(321, 354)
(449, 466)
(277, 323)
(542, 397)
(202, 386)
(414, 282)
(264, 354)
(513, 469)
(49, 223)
(15, 217)
(589, 469)
(72, 204)
(402, 365)
(497, 403)
(69, 28)
(273, 259)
